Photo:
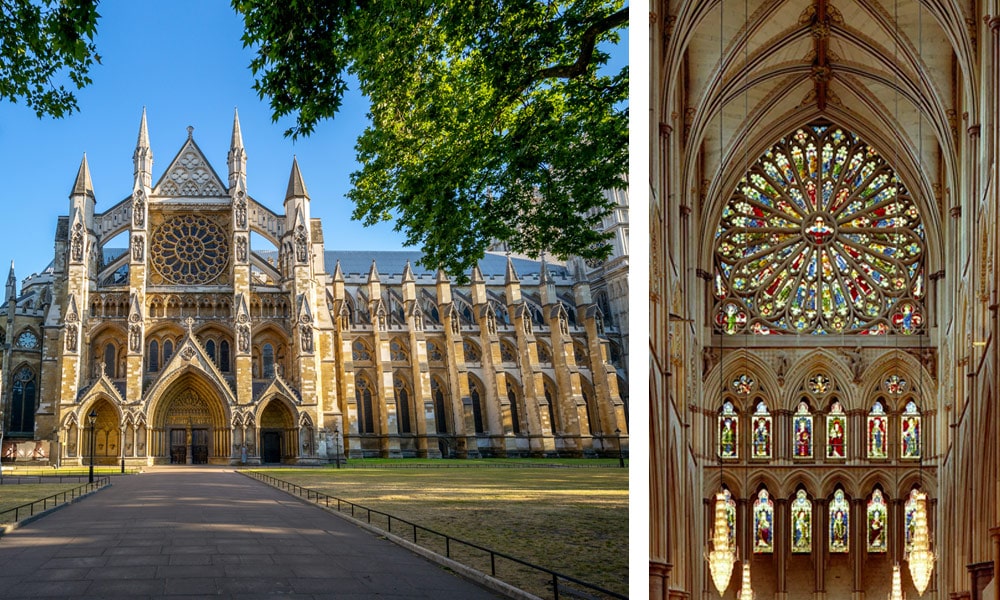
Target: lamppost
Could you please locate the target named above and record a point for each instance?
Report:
(121, 444)
(621, 457)
(336, 441)
(92, 419)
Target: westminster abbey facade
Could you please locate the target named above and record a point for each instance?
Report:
(187, 343)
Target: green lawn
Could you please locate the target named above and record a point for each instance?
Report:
(570, 520)
(12, 495)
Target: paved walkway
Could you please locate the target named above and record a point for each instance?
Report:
(206, 531)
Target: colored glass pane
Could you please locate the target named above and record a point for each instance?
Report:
(802, 431)
(801, 523)
(877, 428)
(819, 237)
(728, 431)
(910, 431)
(836, 432)
(877, 518)
(763, 524)
(760, 441)
(910, 509)
(731, 517)
(895, 385)
(839, 523)
(819, 384)
(743, 384)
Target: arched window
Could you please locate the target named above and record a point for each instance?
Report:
(224, 356)
(439, 406)
(549, 400)
(760, 440)
(154, 357)
(515, 419)
(477, 409)
(731, 516)
(840, 515)
(910, 428)
(877, 431)
(802, 428)
(267, 356)
(109, 360)
(801, 511)
(836, 432)
(366, 416)
(763, 524)
(910, 510)
(210, 349)
(820, 237)
(168, 350)
(403, 405)
(729, 427)
(22, 402)
(877, 520)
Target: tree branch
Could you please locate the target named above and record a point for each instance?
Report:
(587, 42)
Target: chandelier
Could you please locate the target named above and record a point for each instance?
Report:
(921, 557)
(897, 585)
(722, 556)
(746, 592)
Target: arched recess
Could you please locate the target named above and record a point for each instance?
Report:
(279, 438)
(190, 421)
(105, 433)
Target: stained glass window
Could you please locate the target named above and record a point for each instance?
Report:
(820, 237)
(877, 428)
(895, 385)
(836, 432)
(801, 523)
(760, 441)
(802, 427)
(743, 385)
(910, 509)
(877, 515)
(819, 384)
(763, 524)
(731, 517)
(839, 522)
(910, 428)
(728, 431)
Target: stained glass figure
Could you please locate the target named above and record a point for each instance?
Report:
(802, 427)
(763, 524)
(910, 510)
(731, 517)
(895, 385)
(743, 385)
(729, 423)
(820, 237)
(801, 523)
(761, 438)
(836, 432)
(910, 428)
(819, 384)
(877, 521)
(877, 428)
(839, 522)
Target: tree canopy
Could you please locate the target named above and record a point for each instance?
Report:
(41, 42)
(489, 120)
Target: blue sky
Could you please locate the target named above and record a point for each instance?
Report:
(184, 61)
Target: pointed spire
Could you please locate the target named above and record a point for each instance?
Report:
(237, 141)
(296, 186)
(511, 275)
(143, 142)
(407, 273)
(11, 284)
(338, 275)
(142, 158)
(547, 287)
(477, 274)
(442, 277)
(83, 186)
(373, 273)
(237, 159)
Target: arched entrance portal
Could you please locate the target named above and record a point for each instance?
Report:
(278, 435)
(191, 425)
(106, 434)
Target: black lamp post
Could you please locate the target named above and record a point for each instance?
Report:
(92, 419)
(336, 441)
(621, 457)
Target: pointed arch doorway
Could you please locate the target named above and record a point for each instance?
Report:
(191, 425)
(278, 435)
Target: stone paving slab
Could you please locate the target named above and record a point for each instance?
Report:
(208, 531)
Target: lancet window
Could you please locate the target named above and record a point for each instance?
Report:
(801, 511)
(729, 427)
(910, 431)
(877, 519)
(840, 515)
(763, 524)
(802, 430)
(820, 237)
(877, 431)
(836, 432)
(760, 439)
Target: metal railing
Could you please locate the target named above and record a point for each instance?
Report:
(29, 509)
(554, 578)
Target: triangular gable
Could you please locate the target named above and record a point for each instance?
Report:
(190, 175)
(277, 386)
(103, 385)
(189, 353)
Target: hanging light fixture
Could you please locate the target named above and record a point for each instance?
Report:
(722, 557)
(746, 592)
(921, 558)
(897, 585)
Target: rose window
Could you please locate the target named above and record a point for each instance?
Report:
(189, 249)
(820, 237)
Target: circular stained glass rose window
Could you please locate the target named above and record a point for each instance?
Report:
(820, 237)
(189, 250)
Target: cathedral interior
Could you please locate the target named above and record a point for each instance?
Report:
(823, 299)
(190, 323)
